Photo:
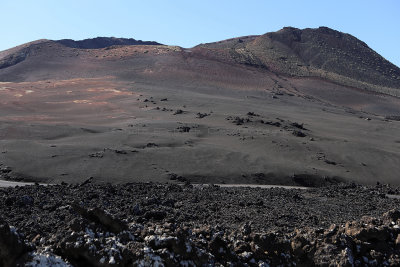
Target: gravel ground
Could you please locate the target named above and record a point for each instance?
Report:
(44, 217)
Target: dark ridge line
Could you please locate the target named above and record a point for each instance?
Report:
(103, 42)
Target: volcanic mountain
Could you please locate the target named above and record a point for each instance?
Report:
(321, 52)
(309, 107)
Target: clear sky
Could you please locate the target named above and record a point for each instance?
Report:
(187, 23)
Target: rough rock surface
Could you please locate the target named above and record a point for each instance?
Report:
(192, 225)
(12, 247)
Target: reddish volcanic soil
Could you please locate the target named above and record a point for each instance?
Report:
(156, 113)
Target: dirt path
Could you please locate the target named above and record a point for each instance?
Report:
(13, 184)
(263, 186)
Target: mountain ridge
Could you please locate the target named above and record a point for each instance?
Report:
(103, 42)
(321, 52)
(19, 53)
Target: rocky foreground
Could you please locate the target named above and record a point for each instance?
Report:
(192, 225)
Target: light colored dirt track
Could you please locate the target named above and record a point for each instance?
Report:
(12, 184)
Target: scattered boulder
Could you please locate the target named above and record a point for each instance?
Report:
(240, 121)
(101, 217)
(393, 117)
(298, 125)
(246, 229)
(250, 113)
(12, 248)
(155, 215)
(273, 123)
(202, 115)
(179, 111)
(97, 155)
(330, 162)
(184, 129)
(26, 201)
(298, 133)
(149, 145)
(172, 176)
(118, 151)
(5, 170)
(87, 181)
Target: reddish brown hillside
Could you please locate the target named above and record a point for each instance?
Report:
(320, 52)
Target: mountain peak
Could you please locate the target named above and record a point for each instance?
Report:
(322, 52)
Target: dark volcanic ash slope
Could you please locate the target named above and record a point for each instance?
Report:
(17, 54)
(225, 110)
(320, 52)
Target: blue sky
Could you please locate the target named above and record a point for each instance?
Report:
(188, 23)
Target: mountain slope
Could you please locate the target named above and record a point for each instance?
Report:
(321, 52)
(258, 109)
(18, 54)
